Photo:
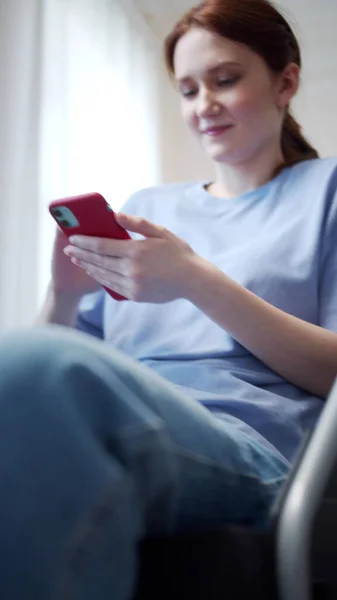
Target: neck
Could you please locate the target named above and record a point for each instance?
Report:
(235, 180)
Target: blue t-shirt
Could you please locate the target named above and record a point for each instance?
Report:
(280, 242)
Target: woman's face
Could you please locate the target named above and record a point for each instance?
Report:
(230, 99)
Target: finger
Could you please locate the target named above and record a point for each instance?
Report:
(114, 282)
(140, 225)
(60, 235)
(107, 246)
(74, 252)
(113, 285)
(99, 273)
(109, 263)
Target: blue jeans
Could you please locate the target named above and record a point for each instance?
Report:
(97, 451)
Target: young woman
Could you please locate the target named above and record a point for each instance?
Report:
(230, 331)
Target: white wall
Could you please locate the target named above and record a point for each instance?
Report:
(315, 107)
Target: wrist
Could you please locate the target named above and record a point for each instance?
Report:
(60, 307)
(199, 278)
(63, 297)
(207, 286)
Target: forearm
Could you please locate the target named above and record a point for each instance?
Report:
(302, 353)
(59, 308)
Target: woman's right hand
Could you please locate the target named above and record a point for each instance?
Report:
(68, 284)
(67, 278)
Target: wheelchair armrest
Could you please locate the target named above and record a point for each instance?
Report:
(301, 503)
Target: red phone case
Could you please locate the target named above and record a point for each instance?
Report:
(94, 217)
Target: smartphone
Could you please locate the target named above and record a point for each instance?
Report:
(88, 214)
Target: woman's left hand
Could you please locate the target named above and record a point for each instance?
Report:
(156, 269)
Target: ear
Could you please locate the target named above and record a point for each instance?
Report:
(288, 84)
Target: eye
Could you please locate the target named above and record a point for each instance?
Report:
(226, 82)
(189, 93)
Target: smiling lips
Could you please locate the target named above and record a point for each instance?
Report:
(216, 131)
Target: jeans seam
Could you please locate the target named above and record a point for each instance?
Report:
(225, 472)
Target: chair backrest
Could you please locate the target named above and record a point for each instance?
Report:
(305, 514)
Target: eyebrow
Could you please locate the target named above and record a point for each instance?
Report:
(217, 67)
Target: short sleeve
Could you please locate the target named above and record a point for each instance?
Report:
(328, 270)
(137, 204)
(90, 315)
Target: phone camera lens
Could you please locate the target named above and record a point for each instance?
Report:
(65, 223)
(57, 212)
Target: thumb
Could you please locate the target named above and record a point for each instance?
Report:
(139, 225)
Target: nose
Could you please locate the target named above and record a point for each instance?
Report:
(207, 104)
